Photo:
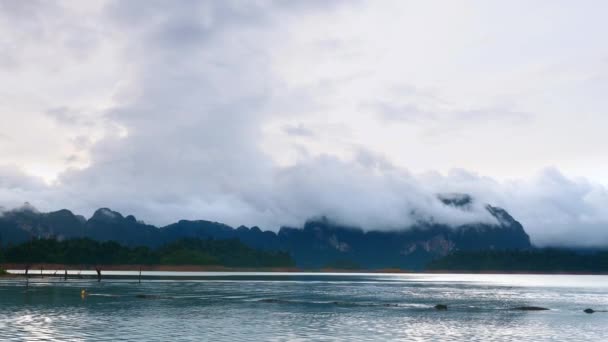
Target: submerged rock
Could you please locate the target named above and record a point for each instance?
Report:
(530, 308)
(146, 296)
(272, 300)
(590, 311)
(347, 304)
(441, 307)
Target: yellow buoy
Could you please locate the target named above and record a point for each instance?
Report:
(83, 293)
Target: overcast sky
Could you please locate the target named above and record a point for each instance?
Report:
(268, 113)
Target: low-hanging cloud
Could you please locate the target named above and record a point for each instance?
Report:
(554, 210)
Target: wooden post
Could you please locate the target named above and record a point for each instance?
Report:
(65, 276)
(27, 276)
(98, 274)
(140, 274)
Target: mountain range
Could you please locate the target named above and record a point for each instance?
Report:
(319, 243)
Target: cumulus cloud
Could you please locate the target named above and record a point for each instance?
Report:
(188, 132)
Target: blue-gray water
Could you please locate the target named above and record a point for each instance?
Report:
(305, 307)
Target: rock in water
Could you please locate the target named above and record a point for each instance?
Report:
(147, 296)
(441, 307)
(530, 308)
(589, 311)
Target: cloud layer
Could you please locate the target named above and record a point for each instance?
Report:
(269, 113)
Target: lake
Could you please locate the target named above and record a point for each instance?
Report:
(190, 306)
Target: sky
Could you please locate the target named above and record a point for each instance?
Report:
(272, 112)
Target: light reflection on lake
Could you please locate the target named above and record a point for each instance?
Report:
(195, 306)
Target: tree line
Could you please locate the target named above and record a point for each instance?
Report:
(228, 253)
(547, 260)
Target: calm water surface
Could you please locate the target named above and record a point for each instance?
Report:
(305, 307)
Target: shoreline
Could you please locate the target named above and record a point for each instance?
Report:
(35, 270)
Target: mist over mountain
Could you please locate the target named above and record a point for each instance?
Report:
(321, 242)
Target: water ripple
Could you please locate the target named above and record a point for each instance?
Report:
(362, 308)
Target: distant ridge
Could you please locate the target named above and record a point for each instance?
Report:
(319, 243)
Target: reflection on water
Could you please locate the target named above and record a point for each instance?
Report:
(303, 307)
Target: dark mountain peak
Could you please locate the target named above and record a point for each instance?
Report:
(105, 214)
(62, 213)
(252, 230)
(312, 223)
(64, 217)
(325, 224)
(28, 207)
(109, 225)
(456, 200)
(25, 210)
(25, 215)
(502, 216)
(199, 228)
(201, 222)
